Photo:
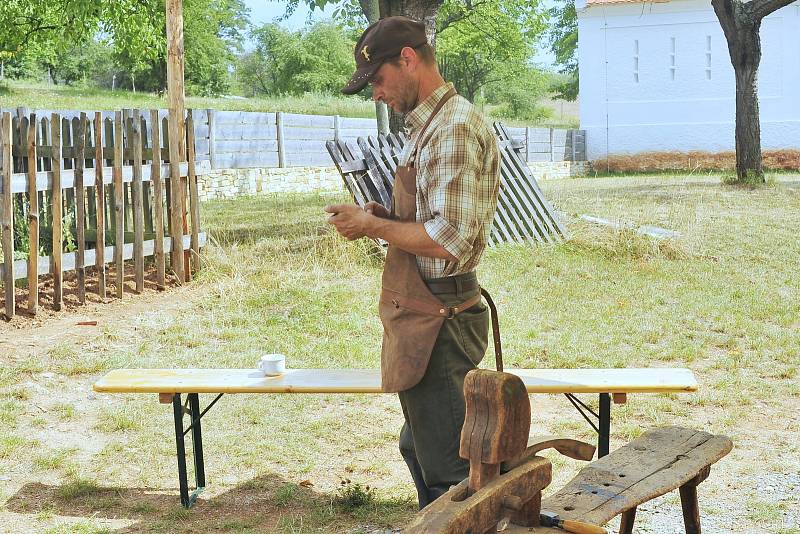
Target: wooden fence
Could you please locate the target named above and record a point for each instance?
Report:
(135, 205)
(240, 139)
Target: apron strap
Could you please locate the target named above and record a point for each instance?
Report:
(498, 349)
(447, 96)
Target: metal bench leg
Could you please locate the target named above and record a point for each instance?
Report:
(197, 441)
(177, 409)
(604, 432)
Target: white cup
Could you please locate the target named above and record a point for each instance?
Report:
(272, 364)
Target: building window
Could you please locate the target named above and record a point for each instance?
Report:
(636, 61)
(673, 62)
(708, 57)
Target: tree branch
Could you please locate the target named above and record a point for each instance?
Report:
(762, 8)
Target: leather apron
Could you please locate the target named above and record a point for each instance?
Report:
(411, 315)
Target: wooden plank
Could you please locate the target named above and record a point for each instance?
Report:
(100, 206)
(237, 146)
(119, 205)
(58, 217)
(247, 161)
(348, 123)
(374, 174)
(308, 121)
(309, 159)
(245, 117)
(33, 219)
(229, 132)
(45, 262)
(308, 134)
(212, 138)
(80, 207)
(659, 461)
(340, 159)
(158, 201)
(138, 208)
(194, 199)
(634, 380)
(281, 141)
(44, 180)
(7, 205)
(175, 207)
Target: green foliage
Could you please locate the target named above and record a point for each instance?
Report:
(520, 96)
(318, 59)
(486, 43)
(751, 179)
(563, 35)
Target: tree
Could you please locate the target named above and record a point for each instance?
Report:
(487, 42)
(741, 23)
(564, 44)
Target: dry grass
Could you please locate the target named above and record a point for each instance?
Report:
(695, 161)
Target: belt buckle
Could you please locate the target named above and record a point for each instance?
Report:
(452, 312)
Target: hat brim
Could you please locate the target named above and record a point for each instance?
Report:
(361, 78)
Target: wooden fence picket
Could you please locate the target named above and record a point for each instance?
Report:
(100, 207)
(57, 210)
(137, 193)
(119, 204)
(7, 222)
(158, 198)
(194, 199)
(80, 207)
(33, 218)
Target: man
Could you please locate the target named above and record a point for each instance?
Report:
(443, 203)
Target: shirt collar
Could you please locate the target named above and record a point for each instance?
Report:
(416, 118)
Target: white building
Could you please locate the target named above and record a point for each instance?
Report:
(656, 75)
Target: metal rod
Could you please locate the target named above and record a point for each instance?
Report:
(177, 409)
(197, 441)
(577, 404)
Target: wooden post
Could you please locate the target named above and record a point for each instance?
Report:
(281, 142)
(7, 216)
(175, 208)
(212, 138)
(573, 141)
(137, 194)
(336, 127)
(58, 245)
(100, 209)
(175, 81)
(33, 220)
(552, 155)
(194, 197)
(80, 207)
(119, 204)
(158, 198)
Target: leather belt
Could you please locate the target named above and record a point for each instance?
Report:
(467, 282)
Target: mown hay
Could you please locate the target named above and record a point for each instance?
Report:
(778, 160)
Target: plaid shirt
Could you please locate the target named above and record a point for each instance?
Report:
(458, 177)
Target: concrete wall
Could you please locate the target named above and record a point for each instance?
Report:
(686, 103)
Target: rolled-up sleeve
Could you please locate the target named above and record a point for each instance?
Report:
(454, 161)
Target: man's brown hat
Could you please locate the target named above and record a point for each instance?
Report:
(382, 41)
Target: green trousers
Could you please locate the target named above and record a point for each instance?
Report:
(434, 408)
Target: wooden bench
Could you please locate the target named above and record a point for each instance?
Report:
(504, 489)
(170, 384)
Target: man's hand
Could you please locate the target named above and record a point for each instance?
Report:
(377, 209)
(350, 221)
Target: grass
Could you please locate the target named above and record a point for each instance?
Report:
(42, 96)
(34, 95)
(722, 299)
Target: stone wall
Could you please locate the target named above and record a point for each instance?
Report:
(230, 183)
(553, 170)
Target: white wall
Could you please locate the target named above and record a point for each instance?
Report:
(691, 111)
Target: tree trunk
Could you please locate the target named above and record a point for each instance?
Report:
(371, 9)
(748, 124)
(415, 9)
(741, 22)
